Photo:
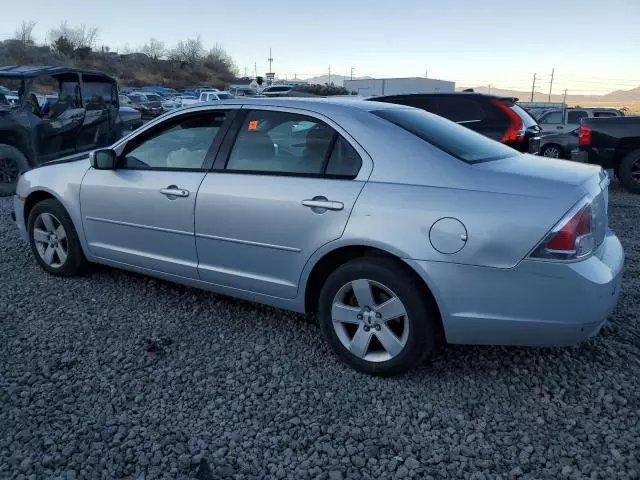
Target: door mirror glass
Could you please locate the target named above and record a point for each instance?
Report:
(103, 159)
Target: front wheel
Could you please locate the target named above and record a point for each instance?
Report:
(375, 316)
(12, 164)
(551, 151)
(54, 240)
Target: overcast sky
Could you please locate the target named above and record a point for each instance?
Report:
(593, 44)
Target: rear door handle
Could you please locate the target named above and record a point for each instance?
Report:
(172, 192)
(321, 203)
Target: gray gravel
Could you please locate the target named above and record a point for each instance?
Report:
(235, 390)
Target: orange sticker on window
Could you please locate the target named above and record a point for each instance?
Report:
(253, 125)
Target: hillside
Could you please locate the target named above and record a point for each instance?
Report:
(137, 69)
(616, 98)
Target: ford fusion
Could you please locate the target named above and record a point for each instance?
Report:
(396, 227)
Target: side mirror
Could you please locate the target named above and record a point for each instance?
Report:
(104, 159)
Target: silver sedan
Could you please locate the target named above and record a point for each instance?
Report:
(395, 226)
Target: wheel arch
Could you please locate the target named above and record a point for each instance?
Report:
(19, 141)
(333, 259)
(625, 147)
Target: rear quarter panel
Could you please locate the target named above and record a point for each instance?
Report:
(502, 228)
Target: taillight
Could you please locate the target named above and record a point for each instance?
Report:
(515, 131)
(584, 135)
(571, 238)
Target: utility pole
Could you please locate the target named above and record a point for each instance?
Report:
(270, 61)
(489, 89)
(564, 99)
(533, 87)
(352, 68)
(329, 74)
(426, 74)
(255, 69)
(551, 83)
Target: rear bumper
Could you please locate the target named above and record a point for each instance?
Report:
(536, 303)
(597, 156)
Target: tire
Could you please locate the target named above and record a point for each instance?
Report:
(629, 171)
(12, 164)
(64, 250)
(552, 150)
(413, 333)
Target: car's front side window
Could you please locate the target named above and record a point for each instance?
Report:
(182, 144)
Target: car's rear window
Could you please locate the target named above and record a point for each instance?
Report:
(456, 140)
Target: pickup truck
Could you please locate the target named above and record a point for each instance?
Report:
(612, 143)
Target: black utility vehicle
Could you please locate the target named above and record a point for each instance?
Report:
(500, 118)
(58, 111)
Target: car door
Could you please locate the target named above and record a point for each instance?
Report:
(60, 119)
(552, 122)
(101, 104)
(142, 212)
(280, 189)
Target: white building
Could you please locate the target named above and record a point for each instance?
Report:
(397, 86)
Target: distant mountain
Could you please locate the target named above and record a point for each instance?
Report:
(616, 97)
(337, 80)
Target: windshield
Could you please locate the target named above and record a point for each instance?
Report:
(138, 98)
(225, 96)
(9, 88)
(153, 97)
(456, 140)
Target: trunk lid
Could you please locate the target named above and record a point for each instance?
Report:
(535, 176)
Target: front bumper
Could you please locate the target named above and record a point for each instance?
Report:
(18, 216)
(537, 303)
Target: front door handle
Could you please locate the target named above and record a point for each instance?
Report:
(172, 192)
(321, 203)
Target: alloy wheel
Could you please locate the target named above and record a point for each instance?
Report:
(9, 171)
(551, 152)
(370, 320)
(51, 240)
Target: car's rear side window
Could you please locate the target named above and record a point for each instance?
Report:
(456, 140)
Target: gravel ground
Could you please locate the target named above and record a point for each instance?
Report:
(228, 389)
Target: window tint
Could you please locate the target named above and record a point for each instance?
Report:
(281, 142)
(344, 160)
(574, 116)
(604, 114)
(454, 139)
(458, 109)
(182, 144)
(553, 117)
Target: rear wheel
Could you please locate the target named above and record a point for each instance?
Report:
(12, 164)
(629, 171)
(375, 317)
(54, 240)
(551, 151)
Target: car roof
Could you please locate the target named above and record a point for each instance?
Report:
(30, 71)
(435, 94)
(323, 105)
